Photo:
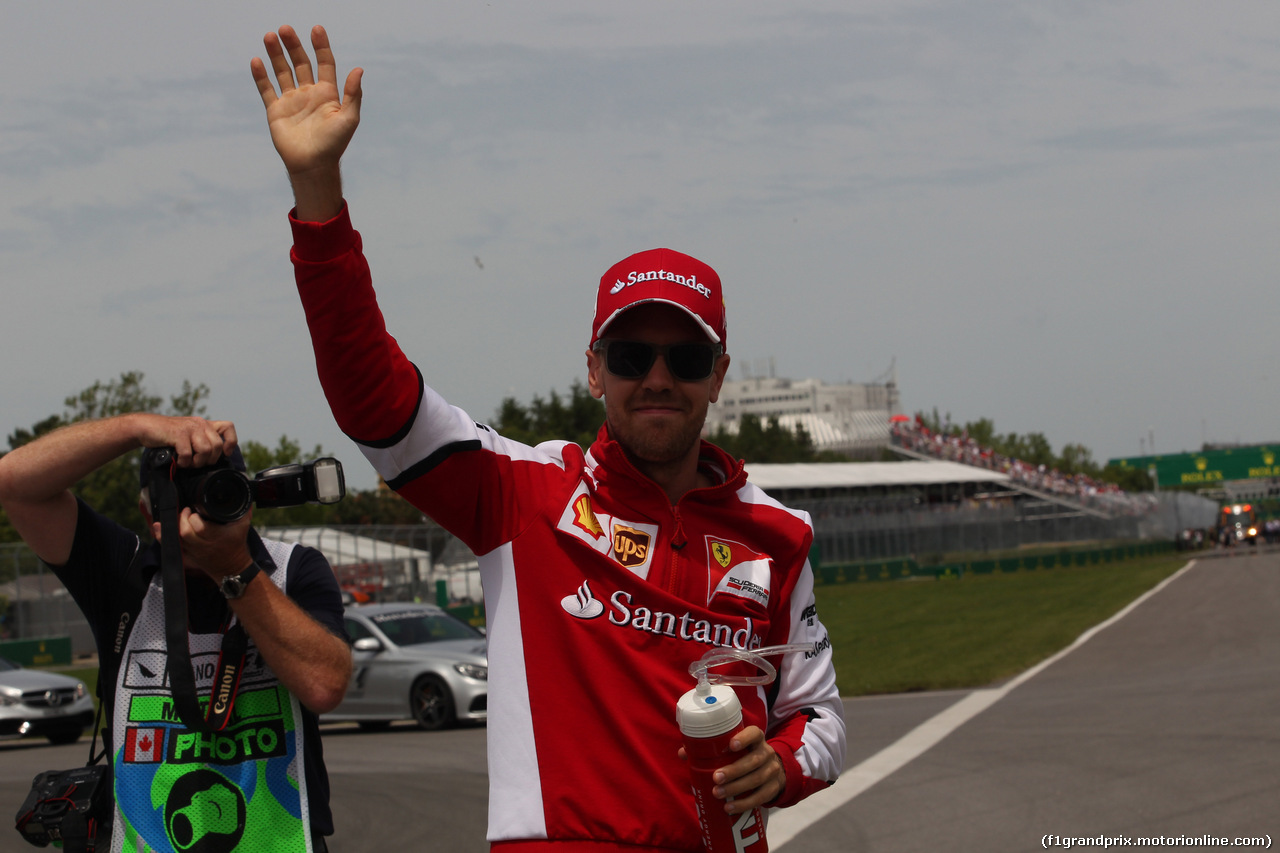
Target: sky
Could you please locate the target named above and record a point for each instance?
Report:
(1060, 216)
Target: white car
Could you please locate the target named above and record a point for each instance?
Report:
(35, 702)
(413, 662)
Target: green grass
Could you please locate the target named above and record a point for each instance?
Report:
(89, 675)
(898, 636)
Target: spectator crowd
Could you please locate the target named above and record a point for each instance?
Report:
(1079, 488)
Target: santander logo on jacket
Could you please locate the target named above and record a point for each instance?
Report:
(624, 612)
(734, 572)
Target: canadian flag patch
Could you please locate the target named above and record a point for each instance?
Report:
(143, 746)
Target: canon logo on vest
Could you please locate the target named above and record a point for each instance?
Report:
(690, 281)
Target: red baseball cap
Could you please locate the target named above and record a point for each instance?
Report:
(661, 275)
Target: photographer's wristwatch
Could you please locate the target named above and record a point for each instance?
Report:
(233, 586)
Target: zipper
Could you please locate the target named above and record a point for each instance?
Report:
(677, 536)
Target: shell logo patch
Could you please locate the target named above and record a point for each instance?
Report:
(585, 518)
(629, 544)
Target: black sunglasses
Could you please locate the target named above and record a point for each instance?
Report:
(692, 362)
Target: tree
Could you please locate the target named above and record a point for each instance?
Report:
(114, 488)
(1077, 459)
(578, 419)
(1034, 448)
(757, 441)
(982, 431)
(934, 422)
(1129, 479)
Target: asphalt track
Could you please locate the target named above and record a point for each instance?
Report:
(1162, 723)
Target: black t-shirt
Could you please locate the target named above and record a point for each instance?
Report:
(95, 573)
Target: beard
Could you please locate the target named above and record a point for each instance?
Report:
(655, 443)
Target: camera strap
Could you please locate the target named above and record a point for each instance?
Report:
(227, 675)
(182, 681)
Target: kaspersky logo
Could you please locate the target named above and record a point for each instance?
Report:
(622, 611)
(633, 277)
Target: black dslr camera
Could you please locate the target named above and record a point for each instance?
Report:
(223, 492)
(67, 807)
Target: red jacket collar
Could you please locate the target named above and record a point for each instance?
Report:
(727, 473)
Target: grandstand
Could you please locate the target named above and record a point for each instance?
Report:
(1077, 491)
(865, 511)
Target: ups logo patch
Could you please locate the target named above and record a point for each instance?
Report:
(630, 546)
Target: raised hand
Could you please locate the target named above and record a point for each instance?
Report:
(311, 124)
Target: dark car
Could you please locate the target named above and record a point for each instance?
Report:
(1238, 523)
(35, 702)
(413, 662)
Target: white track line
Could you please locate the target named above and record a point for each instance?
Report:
(786, 824)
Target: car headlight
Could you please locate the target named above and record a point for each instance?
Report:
(10, 696)
(81, 690)
(472, 670)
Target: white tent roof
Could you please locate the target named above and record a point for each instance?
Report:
(344, 549)
(828, 475)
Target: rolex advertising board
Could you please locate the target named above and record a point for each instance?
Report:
(1210, 467)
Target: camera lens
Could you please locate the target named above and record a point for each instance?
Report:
(222, 495)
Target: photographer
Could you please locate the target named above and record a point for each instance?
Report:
(168, 779)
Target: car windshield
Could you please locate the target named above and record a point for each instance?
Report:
(411, 628)
(7, 665)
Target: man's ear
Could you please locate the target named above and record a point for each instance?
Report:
(717, 376)
(595, 374)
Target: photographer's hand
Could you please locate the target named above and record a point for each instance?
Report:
(313, 664)
(196, 441)
(310, 125)
(217, 550)
(36, 478)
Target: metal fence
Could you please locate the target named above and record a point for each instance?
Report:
(420, 562)
(425, 563)
(854, 531)
(34, 603)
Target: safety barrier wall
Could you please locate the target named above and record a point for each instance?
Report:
(847, 532)
(856, 540)
(903, 568)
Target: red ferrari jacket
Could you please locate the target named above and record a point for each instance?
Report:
(598, 592)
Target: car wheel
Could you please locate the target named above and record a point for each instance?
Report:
(431, 703)
(69, 736)
(374, 725)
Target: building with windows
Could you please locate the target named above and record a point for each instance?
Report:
(851, 418)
